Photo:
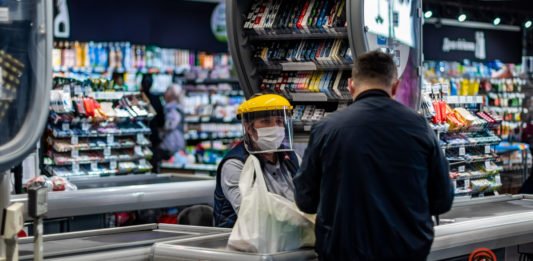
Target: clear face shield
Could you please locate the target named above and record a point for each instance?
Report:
(267, 131)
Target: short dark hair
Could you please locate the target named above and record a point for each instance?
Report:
(375, 67)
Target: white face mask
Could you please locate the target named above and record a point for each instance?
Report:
(270, 138)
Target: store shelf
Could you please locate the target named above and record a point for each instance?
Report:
(209, 81)
(471, 161)
(105, 160)
(207, 119)
(340, 32)
(467, 145)
(211, 136)
(464, 99)
(479, 176)
(305, 66)
(111, 95)
(55, 134)
(98, 148)
(315, 97)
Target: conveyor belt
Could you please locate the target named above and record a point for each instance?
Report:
(110, 239)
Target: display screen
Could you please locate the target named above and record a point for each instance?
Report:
(403, 16)
(376, 15)
(17, 53)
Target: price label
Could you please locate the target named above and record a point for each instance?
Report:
(85, 126)
(77, 90)
(94, 165)
(138, 150)
(110, 139)
(461, 169)
(470, 99)
(65, 126)
(142, 162)
(307, 127)
(107, 151)
(140, 138)
(498, 179)
(487, 149)
(462, 151)
(75, 167)
(467, 183)
(113, 165)
(462, 99)
(74, 140)
(488, 166)
(75, 153)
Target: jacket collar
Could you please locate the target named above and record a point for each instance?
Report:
(371, 93)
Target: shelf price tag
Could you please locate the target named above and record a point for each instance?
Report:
(470, 99)
(498, 179)
(462, 151)
(307, 127)
(138, 150)
(142, 162)
(94, 165)
(487, 149)
(140, 138)
(113, 165)
(462, 169)
(107, 151)
(205, 119)
(110, 139)
(65, 126)
(75, 167)
(75, 153)
(488, 166)
(85, 126)
(74, 140)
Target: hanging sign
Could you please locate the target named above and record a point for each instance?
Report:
(446, 42)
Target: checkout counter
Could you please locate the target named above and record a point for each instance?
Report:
(500, 223)
(127, 193)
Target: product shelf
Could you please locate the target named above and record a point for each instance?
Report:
(304, 66)
(104, 160)
(280, 35)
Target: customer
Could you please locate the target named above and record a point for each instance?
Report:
(267, 135)
(172, 135)
(157, 122)
(374, 172)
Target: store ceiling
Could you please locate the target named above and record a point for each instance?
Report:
(511, 11)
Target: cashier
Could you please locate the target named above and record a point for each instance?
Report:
(267, 135)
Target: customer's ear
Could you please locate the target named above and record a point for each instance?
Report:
(395, 87)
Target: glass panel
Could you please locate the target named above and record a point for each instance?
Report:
(18, 54)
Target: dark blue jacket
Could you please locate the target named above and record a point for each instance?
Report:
(223, 213)
(375, 174)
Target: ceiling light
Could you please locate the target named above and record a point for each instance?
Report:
(461, 18)
(428, 14)
(528, 24)
(497, 21)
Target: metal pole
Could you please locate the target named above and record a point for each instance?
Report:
(38, 239)
(4, 203)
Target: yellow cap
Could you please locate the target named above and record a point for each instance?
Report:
(266, 102)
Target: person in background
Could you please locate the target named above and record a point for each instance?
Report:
(157, 122)
(374, 173)
(172, 134)
(267, 135)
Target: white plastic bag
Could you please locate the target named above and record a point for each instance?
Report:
(267, 222)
